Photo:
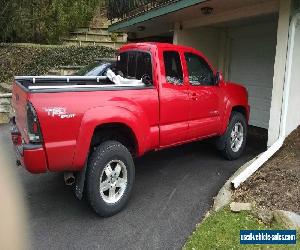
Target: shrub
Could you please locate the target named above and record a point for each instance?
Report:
(32, 59)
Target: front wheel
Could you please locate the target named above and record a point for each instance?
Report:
(233, 142)
(110, 178)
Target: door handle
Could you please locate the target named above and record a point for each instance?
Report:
(194, 96)
(214, 113)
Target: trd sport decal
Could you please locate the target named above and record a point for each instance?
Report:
(60, 112)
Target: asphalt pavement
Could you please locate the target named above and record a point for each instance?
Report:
(174, 189)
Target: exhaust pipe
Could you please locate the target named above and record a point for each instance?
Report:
(69, 178)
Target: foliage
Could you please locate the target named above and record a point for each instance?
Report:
(114, 36)
(221, 230)
(18, 59)
(43, 21)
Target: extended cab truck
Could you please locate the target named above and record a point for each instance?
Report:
(94, 127)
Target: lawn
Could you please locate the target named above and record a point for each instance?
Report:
(221, 230)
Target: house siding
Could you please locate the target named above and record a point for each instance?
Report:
(203, 39)
(293, 114)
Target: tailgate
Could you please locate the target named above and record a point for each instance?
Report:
(19, 103)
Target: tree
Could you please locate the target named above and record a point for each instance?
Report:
(43, 21)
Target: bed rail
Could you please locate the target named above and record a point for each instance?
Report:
(68, 79)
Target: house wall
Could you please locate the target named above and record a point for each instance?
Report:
(204, 39)
(279, 70)
(293, 114)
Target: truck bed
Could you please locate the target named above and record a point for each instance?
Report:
(71, 83)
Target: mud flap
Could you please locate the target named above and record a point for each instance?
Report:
(79, 185)
(220, 142)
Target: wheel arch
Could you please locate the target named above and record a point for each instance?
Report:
(118, 131)
(240, 109)
(104, 118)
(243, 109)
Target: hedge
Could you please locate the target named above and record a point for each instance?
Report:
(32, 59)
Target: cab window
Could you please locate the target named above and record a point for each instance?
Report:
(199, 71)
(173, 67)
(134, 65)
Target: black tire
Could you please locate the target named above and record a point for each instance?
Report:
(224, 141)
(105, 153)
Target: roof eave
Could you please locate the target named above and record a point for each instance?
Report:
(156, 12)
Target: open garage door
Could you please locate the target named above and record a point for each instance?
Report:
(251, 62)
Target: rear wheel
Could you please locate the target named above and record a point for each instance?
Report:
(233, 142)
(110, 178)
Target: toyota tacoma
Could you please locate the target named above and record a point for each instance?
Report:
(92, 127)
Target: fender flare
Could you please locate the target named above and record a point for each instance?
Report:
(227, 113)
(109, 114)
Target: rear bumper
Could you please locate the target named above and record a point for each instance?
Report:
(31, 156)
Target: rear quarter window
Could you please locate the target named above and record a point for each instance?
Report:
(173, 67)
(134, 64)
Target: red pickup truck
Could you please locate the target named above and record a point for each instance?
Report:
(157, 96)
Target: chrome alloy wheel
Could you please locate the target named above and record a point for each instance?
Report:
(113, 181)
(237, 137)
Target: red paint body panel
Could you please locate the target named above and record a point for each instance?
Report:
(35, 160)
(159, 117)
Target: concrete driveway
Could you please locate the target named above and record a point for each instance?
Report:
(173, 191)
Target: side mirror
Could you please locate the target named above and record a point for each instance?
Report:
(219, 77)
(146, 80)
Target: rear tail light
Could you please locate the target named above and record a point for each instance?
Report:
(16, 138)
(33, 126)
(15, 134)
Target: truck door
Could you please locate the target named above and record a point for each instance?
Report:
(204, 113)
(174, 100)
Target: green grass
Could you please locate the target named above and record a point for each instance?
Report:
(221, 230)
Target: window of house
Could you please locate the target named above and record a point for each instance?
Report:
(199, 71)
(173, 67)
(134, 65)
